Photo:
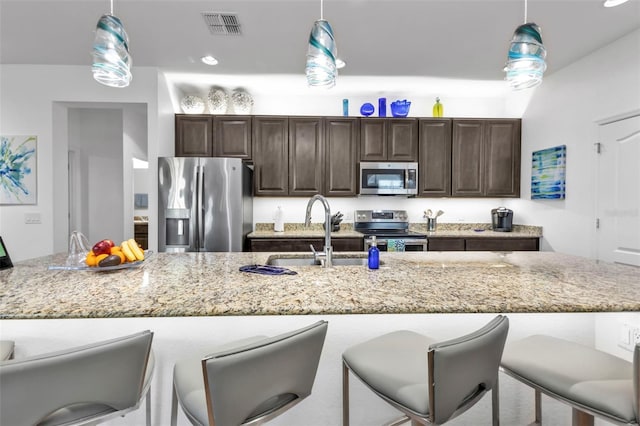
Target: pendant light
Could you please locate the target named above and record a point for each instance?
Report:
(526, 60)
(111, 58)
(321, 55)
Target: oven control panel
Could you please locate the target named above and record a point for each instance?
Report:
(381, 216)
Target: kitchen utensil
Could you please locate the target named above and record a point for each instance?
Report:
(428, 213)
(440, 213)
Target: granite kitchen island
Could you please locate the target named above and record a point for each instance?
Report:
(195, 301)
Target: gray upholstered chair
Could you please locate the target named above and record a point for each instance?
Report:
(6, 349)
(251, 381)
(592, 382)
(83, 385)
(429, 382)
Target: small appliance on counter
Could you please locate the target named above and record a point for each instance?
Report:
(502, 219)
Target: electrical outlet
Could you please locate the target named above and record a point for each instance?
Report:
(629, 336)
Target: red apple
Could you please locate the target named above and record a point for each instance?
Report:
(102, 247)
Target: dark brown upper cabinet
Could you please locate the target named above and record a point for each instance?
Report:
(306, 153)
(232, 136)
(193, 135)
(213, 136)
(341, 136)
(271, 156)
(434, 164)
(388, 139)
(486, 158)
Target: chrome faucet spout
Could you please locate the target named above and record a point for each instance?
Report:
(328, 250)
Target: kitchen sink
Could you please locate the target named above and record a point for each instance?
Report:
(278, 260)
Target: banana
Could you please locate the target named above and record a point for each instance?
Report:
(438, 109)
(135, 248)
(128, 253)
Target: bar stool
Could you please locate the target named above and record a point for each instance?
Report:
(430, 382)
(250, 381)
(592, 382)
(6, 349)
(83, 385)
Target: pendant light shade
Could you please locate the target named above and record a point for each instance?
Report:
(526, 60)
(321, 67)
(111, 58)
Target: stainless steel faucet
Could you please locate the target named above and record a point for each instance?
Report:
(326, 256)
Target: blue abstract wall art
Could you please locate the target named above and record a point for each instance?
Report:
(18, 169)
(548, 173)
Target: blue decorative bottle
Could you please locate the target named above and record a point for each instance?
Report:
(374, 254)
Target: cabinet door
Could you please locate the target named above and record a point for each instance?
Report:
(193, 135)
(467, 157)
(402, 139)
(232, 136)
(445, 244)
(305, 156)
(434, 171)
(502, 158)
(503, 244)
(373, 139)
(271, 155)
(341, 137)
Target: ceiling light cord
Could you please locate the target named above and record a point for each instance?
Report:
(111, 7)
(321, 9)
(525, 11)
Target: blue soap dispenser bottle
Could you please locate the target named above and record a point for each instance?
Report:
(374, 254)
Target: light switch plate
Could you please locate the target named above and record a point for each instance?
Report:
(32, 218)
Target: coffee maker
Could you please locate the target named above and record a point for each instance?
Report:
(502, 219)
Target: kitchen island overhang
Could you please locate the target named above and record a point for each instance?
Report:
(211, 284)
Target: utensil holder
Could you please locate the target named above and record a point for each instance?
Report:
(431, 224)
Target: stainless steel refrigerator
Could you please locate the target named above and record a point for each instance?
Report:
(204, 204)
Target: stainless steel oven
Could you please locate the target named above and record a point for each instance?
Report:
(388, 178)
(391, 229)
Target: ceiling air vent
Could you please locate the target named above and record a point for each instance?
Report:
(222, 23)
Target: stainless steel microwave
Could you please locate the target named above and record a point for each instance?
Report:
(388, 178)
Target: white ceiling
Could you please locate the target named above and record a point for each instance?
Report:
(459, 39)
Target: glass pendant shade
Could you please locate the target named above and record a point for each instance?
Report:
(321, 56)
(111, 58)
(526, 60)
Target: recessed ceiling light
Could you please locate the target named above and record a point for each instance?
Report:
(613, 3)
(209, 60)
(340, 63)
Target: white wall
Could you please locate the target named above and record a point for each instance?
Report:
(564, 110)
(95, 136)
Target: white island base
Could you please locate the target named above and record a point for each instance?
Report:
(180, 337)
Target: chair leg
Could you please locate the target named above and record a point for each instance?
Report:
(495, 404)
(345, 394)
(538, 408)
(174, 407)
(148, 397)
(580, 418)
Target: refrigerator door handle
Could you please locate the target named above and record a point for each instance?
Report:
(200, 209)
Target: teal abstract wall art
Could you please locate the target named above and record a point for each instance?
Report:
(18, 170)
(548, 173)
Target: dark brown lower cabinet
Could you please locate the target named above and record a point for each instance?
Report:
(302, 244)
(484, 244)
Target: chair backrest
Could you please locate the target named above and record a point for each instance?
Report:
(461, 370)
(108, 373)
(257, 382)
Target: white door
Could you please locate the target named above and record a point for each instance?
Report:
(618, 199)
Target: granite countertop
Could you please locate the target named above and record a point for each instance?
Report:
(443, 230)
(210, 284)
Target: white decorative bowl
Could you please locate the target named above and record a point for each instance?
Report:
(192, 104)
(242, 101)
(218, 100)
